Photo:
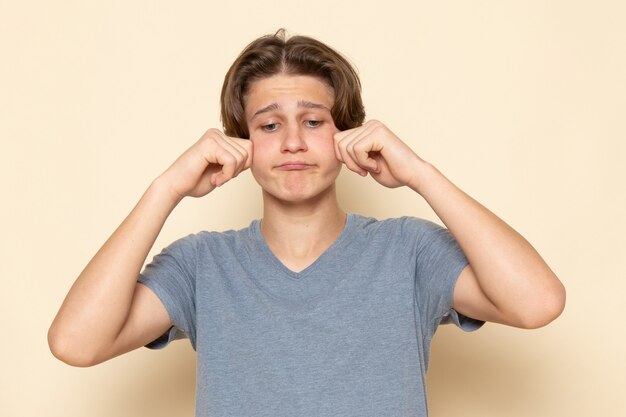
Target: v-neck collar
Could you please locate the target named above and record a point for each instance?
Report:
(328, 254)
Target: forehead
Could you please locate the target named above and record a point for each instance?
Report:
(286, 91)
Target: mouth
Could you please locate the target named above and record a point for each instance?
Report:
(294, 166)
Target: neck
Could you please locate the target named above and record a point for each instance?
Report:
(299, 232)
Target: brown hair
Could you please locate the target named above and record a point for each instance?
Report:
(298, 55)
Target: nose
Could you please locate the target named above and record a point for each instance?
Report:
(293, 140)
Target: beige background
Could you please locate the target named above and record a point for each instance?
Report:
(521, 103)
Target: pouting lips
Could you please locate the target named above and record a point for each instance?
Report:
(294, 165)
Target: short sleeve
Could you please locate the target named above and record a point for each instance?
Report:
(171, 275)
(439, 263)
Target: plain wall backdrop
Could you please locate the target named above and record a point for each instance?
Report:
(520, 103)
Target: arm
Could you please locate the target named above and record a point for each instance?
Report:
(506, 280)
(106, 312)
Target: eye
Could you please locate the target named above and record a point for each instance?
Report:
(270, 127)
(313, 123)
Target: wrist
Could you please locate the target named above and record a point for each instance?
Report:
(161, 189)
(423, 175)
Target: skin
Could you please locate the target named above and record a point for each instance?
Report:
(298, 153)
(294, 162)
(294, 158)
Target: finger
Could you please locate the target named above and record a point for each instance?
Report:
(228, 163)
(246, 147)
(342, 134)
(361, 143)
(214, 139)
(346, 158)
(352, 164)
(341, 139)
(231, 159)
(349, 148)
(370, 143)
(352, 133)
(236, 150)
(341, 142)
(362, 151)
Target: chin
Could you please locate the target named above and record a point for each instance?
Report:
(300, 195)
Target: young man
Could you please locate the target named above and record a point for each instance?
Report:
(310, 311)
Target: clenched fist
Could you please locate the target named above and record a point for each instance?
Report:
(211, 162)
(374, 148)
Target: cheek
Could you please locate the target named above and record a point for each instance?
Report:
(337, 167)
(259, 159)
(258, 174)
(325, 138)
(328, 148)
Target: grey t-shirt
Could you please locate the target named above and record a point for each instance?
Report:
(347, 336)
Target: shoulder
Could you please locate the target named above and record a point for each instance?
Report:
(203, 240)
(399, 234)
(403, 226)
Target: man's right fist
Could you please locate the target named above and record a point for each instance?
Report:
(210, 162)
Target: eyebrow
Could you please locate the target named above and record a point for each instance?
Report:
(310, 105)
(301, 103)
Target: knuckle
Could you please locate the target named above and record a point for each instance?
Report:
(210, 134)
(376, 124)
(244, 145)
(226, 158)
(361, 146)
(208, 140)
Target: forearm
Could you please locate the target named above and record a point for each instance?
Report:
(97, 305)
(507, 280)
(509, 271)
